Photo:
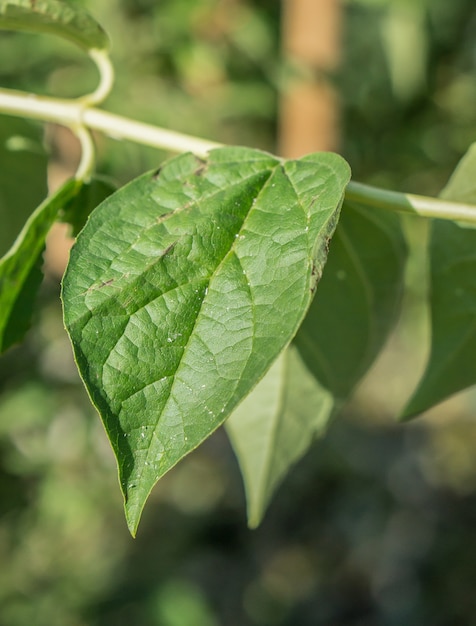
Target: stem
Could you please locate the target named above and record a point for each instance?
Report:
(120, 127)
(423, 206)
(86, 165)
(76, 114)
(106, 77)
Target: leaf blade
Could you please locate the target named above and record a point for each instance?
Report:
(451, 366)
(227, 248)
(275, 425)
(20, 268)
(358, 299)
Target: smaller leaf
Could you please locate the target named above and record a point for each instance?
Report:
(56, 17)
(461, 187)
(20, 268)
(451, 365)
(22, 158)
(275, 425)
(357, 300)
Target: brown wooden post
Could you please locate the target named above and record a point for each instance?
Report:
(309, 106)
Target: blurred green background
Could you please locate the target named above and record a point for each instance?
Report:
(375, 526)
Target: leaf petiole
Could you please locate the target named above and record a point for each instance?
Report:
(424, 206)
(75, 113)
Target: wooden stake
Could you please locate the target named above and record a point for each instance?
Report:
(309, 105)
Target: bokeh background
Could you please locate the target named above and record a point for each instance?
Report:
(376, 525)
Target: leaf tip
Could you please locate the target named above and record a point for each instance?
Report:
(415, 406)
(254, 519)
(408, 414)
(133, 515)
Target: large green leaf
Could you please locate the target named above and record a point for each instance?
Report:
(275, 425)
(22, 159)
(66, 19)
(451, 365)
(183, 288)
(20, 268)
(358, 299)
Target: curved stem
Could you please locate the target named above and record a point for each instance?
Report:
(86, 165)
(423, 206)
(106, 77)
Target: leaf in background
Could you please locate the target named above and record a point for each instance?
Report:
(78, 208)
(461, 187)
(68, 20)
(22, 158)
(275, 425)
(451, 365)
(358, 299)
(20, 268)
(183, 288)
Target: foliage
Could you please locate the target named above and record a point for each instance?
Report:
(374, 525)
(185, 286)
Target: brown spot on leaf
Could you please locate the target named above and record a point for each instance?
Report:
(106, 283)
(202, 166)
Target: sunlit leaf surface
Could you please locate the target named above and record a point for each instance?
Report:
(275, 425)
(182, 290)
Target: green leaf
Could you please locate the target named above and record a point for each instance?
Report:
(183, 288)
(451, 365)
(358, 299)
(22, 158)
(20, 268)
(461, 187)
(56, 17)
(275, 425)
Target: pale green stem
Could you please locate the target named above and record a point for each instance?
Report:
(423, 206)
(120, 127)
(88, 156)
(106, 77)
(76, 114)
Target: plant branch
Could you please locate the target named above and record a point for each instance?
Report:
(77, 113)
(86, 165)
(423, 206)
(106, 77)
(120, 127)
